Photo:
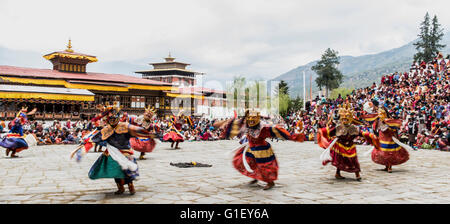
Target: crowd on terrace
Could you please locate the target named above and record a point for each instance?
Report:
(420, 98)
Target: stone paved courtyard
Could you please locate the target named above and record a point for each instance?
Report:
(44, 174)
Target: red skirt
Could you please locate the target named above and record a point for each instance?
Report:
(266, 172)
(347, 164)
(142, 144)
(173, 137)
(390, 158)
(298, 137)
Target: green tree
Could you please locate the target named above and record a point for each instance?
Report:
(296, 104)
(342, 90)
(428, 43)
(283, 101)
(283, 88)
(436, 36)
(282, 93)
(328, 74)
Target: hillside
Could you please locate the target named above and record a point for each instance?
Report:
(358, 71)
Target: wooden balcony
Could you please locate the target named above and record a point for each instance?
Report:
(39, 116)
(10, 114)
(48, 116)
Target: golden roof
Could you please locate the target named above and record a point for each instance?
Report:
(69, 53)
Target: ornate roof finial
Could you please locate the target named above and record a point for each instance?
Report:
(169, 58)
(69, 46)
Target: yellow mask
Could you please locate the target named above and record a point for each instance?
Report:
(253, 118)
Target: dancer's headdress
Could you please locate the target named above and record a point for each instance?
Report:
(149, 112)
(346, 114)
(110, 111)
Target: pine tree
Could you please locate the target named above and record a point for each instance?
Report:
(328, 74)
(429, 39)
(436, 35)
(283, 87)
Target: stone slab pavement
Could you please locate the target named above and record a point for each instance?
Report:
(45, 174)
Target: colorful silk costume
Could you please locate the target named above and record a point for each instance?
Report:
(343, 152)
(339, 142)
(141, 144)
(117, 138)
(15, 140)
(174, 133)
(260, 156)
(117, 160)
(386, 151)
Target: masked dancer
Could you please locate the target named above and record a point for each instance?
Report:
(145, 121)
(174, 134)
(255, 157)
(338, 140)
(15, 141)
(388, 150)
(117, 160)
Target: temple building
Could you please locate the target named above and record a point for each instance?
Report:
(203, 101)
(68, 91)
(171, 71)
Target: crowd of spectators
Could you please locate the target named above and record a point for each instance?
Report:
(72, 132)
(420, 98)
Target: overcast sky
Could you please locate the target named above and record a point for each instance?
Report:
(255, 38)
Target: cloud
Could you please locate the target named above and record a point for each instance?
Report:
(259, 39)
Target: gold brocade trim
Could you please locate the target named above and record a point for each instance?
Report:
(344, 154)
(47, 96)
(345, 147)
(262, 153)
(234, 128)
(107, 131)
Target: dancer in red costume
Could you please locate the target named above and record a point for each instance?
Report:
(174, 134)
(388, 150)
(144, 145)
(338, 141)
(299, 132)
(254, 159)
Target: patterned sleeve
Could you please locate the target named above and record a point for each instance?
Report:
(393, 124)
(132, 119)
(325, 136)
(371, 138)
(232, 128)
(277, 132)
(137, 131)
